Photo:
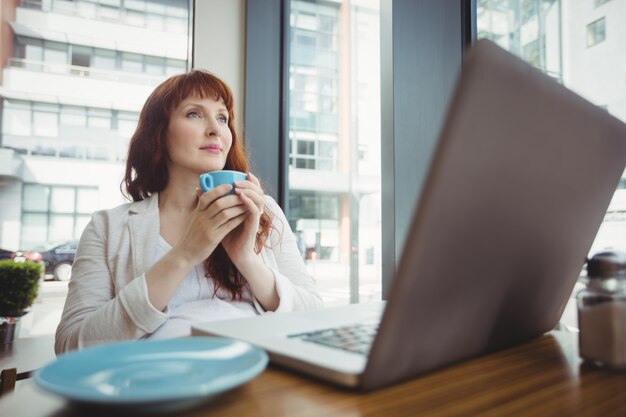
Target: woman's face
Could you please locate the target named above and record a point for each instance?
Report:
(198, 137)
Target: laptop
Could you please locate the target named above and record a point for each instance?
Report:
(518, 186)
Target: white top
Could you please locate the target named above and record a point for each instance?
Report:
(107, 299)
(194, 301)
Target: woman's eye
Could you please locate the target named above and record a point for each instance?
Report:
(193, 114)
(222, 118)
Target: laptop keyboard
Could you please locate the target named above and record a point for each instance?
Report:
(355, 338)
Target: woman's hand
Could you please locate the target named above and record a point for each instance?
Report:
(240, 243)
(215, 216)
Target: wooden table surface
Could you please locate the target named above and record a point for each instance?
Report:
(27, 354)
(544, 377)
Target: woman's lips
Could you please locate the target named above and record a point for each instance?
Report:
(212, 148)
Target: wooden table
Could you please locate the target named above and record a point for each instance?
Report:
(24, 355)
(541, 378)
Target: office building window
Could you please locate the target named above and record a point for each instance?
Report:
(171, 15)
(78, 60)
(334, 113)
(55, 213)
(596, 32)
(66, 131)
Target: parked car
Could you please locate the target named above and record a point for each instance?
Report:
(20, 255)
(58, 258)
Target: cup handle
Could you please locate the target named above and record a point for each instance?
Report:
(206, 182)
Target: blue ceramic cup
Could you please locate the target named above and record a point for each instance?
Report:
(210, 180)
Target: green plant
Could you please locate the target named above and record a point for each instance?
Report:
(19, 284)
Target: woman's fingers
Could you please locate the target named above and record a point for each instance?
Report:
(207, 198)
(250, 200)
(251, 177)
(252, 189)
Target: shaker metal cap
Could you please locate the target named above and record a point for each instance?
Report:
(607, 264)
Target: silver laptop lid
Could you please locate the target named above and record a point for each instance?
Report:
(518, 187)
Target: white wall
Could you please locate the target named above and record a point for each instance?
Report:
(219, 45)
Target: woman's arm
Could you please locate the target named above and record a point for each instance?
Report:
(295, 286)
(94, 311)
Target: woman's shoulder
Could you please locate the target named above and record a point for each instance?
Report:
(122, 211)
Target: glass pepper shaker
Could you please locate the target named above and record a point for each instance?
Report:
(602, 311)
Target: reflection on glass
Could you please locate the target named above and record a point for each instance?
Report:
(555, 36)
(334, 142)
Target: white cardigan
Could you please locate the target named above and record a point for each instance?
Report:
(107, 298)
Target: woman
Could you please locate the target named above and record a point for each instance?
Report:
(175, 255)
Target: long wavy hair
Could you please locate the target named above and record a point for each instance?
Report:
(147, 163)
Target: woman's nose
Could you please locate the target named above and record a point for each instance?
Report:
(212, 127)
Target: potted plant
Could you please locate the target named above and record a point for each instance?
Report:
(19, 284)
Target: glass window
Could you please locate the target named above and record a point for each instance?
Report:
(336, 221)
(155, 65)
(104, 59)
(16, 118)
(35, 197)
(596, 32)
(175, 66)
(34, 230)
(132, 62)
(126, 124)
(33, 50)
(81, 56)
(73, 116)
(45, 123)
(60, 227)
(55, 213)
(62, 200)
(55, 56)
(99, 118)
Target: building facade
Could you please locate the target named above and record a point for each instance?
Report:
(74, 77)
(334, 144)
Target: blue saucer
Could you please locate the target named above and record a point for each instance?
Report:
(161, 374)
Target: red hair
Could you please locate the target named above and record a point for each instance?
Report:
(147, 162)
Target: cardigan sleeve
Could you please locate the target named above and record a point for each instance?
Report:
(296, 287)
(95, 310)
